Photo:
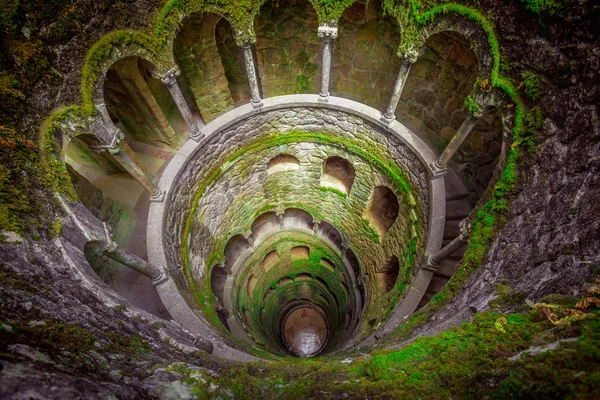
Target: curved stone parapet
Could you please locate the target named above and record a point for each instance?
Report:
(166, 219)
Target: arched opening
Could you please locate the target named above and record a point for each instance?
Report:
(234, 249)
(330, 232)
(270, 259)
(218, 278)
(432, 102)
(264, 224)
(383, 210)
(366, 64)
(252, 282)
(99, 180)
(295, 217)
(233, 63)
(300, 253)
(287, 47)
(282, 163)
(202, 70)
(338, 174)
(327, 264)
(136, 102)
(387, 275)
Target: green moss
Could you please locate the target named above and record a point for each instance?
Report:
(51, 336)
(507, 297)
(551, 7)
(532, 85)
(302, 83)
(472, 105)
(333, 190)
(330, 10)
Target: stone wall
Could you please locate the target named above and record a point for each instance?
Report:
(202, 70)
(364, 64)
(287, 47)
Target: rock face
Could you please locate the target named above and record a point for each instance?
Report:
(64, 335)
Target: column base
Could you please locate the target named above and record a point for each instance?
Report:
(256, 104)
(163, 277)
(158, 196)
(324, 99)
(437, 170)
(431, 265)
(386, 119)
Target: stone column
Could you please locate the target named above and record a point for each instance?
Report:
(407, 62)
(246, 47)
(441, 164)
(170, 80)
(132, 261)
(434, 260)
(125, 156)
(327, 33)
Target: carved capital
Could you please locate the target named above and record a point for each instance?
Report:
(170, 77)
(409, 56)
(327, 32)
(114, 147)
(437, 169)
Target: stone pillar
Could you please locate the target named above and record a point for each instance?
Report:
(170, 80)
(435, 259)
(132, 261)
(390, 112)
(441, 164)
(127, 158)
(327, 33)
(246, 47)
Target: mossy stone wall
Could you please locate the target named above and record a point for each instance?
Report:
(287, 47)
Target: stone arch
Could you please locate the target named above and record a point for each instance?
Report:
(136, 102)
(218, 279)
(300, 253)
(234, 248)
(383, 209)
(387, 275)
(196, 52)
(108, 50)
(364, 55)
(270, 259)
(233, 63)
(296, 217)
(287, 47)
(251, 285)
(264, 224)
(282, 163)
(338, 173)
(331, 233)
(433, 98)
(469, 30)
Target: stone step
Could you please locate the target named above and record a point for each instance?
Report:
(451, 229)
(454, 197)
